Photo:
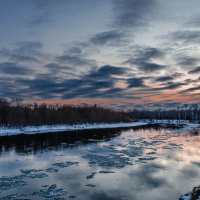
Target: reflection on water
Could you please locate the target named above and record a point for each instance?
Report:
(151, 163)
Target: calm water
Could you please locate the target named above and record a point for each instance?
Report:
(147, 164)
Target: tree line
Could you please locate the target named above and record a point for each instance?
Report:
(185, 112)
(15, 113)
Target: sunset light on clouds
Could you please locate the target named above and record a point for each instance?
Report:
(114, 53)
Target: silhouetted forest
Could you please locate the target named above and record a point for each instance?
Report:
(15, 113)
(185, 112)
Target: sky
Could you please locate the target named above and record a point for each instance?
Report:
(122, 54)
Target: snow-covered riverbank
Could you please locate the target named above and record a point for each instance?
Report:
(7, 131)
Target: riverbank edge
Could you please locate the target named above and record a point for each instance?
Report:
(30, 130)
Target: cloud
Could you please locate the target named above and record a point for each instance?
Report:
(143, 53)
(96, 83)
(168, 78)
(41, 19)
(185, 36)
(193, 22)
(164, 78)
(113, 37)
(192, 89)
(144, 58)
(28, 51)
(187, 61)
(61, 71)
(76, 60)
(13, 69)
(194, 71)
(45, 12)
(135, 82)
(108, 70)
(133, 13)
(76, 56)
(171, 85)
(151, 67)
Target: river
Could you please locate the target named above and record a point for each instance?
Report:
(152, 163)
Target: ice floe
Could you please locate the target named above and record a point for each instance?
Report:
(51, 192)
(91, 175)
(65, 164)
(51, 170)
(7, 183)
(33, 173)
(90, 185)
(112, 160)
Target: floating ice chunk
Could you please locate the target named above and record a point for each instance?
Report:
(111, 160)
(7, 183)
(147, 158)
(90, 185)
(72, 197)
(166, 147)
(106, 172)
(196, 163)
(51, 170)
(52, 192)
(186, 197)
(91, 175)
(14, 197)
(194, 195)
(133, 152)
(33, 173)
(174, 146)
(65, 164)
(151, 153)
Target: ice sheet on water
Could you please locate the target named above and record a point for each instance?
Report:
(7, 183)
(65, 164)
(33, 173)
(111, 160)
(51, 192)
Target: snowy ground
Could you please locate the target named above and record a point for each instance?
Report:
(7, 131)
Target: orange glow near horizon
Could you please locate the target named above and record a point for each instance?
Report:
(166, 96)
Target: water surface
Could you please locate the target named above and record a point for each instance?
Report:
(145, 163)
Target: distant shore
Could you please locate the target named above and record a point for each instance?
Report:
(9, 131)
